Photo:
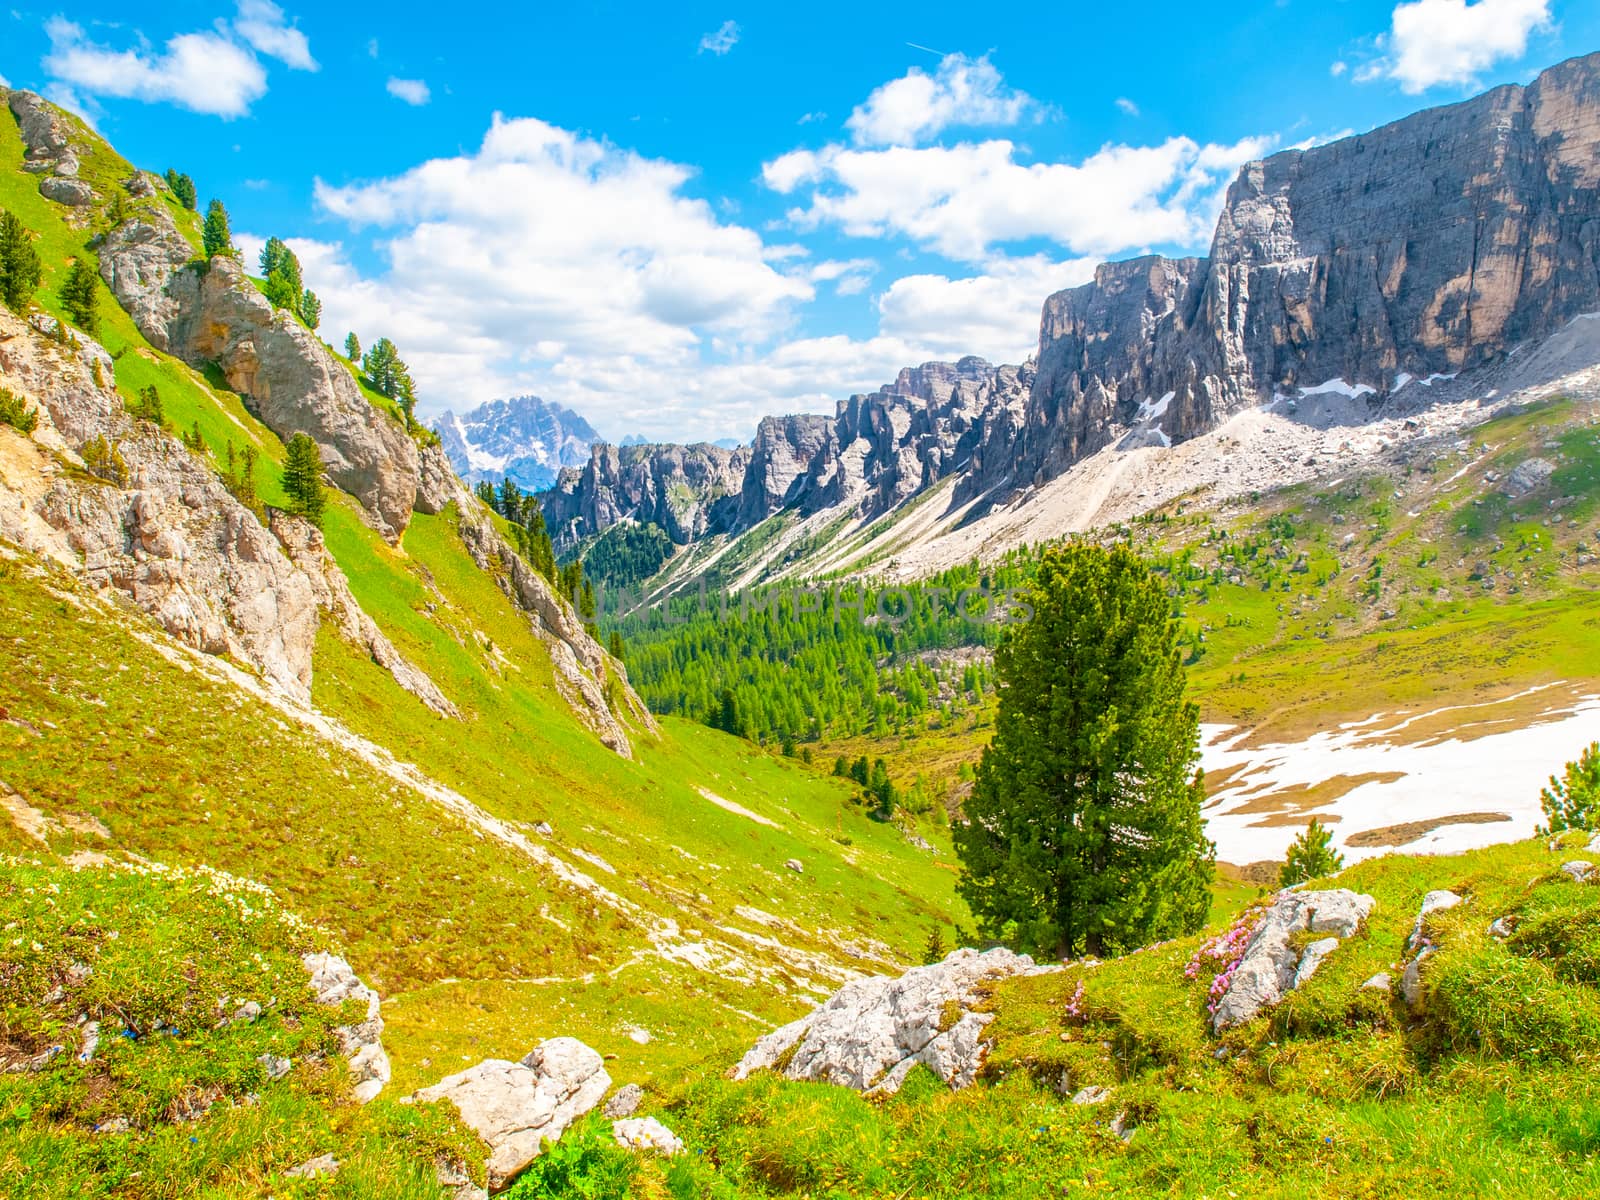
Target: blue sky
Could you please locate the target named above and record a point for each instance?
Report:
(678, 218)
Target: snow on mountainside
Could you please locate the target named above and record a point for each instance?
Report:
(523, 438)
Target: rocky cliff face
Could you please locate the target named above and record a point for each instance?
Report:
(877, 450)
(689, 491)
(1432, 245)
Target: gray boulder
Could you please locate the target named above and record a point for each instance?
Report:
(1527, 477)
(872, 1031)
(1578, 870)
(1270, 967)
(137, 259)
(1433, 902)
(334, 982)
(74, 193)
(515, 1106)
(626, 1102)
(45, 134)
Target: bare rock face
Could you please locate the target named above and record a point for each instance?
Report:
(1432, 245)
(291, 381)
(1271, 967)
(689, 491)
(780, 460)
(437, 484)
(334, 982)
(872, 1031)
(514, 1106)
(137, 259)
(45, 134)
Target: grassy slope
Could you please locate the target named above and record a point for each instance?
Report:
(182, 769)
(1490, 1091)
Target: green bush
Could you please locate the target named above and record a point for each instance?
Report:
(14, 411)
(1570, 802)
(586, 1163)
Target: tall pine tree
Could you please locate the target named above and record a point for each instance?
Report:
(216, 237)
(80, 296)
(1083, 831)
(20, 270)
(302, 478)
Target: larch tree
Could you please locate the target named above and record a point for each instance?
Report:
(302, 478)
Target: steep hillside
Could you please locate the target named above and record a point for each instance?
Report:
(394, 721)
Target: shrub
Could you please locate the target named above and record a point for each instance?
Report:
(14, 411)
(102, 459)
(1570, 802)
(1311, 856)
(586, 1163)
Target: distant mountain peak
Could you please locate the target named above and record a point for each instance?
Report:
(522, 438)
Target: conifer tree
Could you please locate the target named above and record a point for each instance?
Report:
(1572, 801)
(352, 347)
(80, 296)
(1083, 831)
(215, 235)
(310, 309)
(20, 270)
(1311, 856)
(183, 188)
(614, 646)
(302, 478)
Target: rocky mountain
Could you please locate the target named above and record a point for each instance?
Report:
(1427, 248)
(524, 439)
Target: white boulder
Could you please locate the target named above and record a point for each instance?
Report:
(1271, 967)
(646, 1134)
(516, 1106)
(1431, 903)
(873, 1031)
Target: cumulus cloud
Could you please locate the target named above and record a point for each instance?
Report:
(722, 39)
(204, 72)
(413, 91)
(1433, 42)
(963, 201)
(1338, 68)
(261, 23)
(1127, 106)
(213, 71)
(993, 314)
(550, 260)
(962, 91)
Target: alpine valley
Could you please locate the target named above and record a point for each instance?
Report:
(394, 811)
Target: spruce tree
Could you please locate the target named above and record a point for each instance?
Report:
(302, 478)
(215, 235)
(352, 347)
(183, 188)
(1083, 830)
(1311, 856)
(80, 296)
(310, 309)
(20, 270)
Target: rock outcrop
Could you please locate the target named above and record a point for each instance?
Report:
(361, 1042)
(1271, 967)
(646, 1134)
(689, 491)
(294, 385)
(46, 135)
(515, 1106)
(160, 527)
(873, 1031)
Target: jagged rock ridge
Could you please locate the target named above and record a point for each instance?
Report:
(1431, 246)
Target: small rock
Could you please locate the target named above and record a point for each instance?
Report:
(1411, 979)
(626, 1102)
(1502, 927)
(543, 829)
(323, 1164)
(1091, 1095)
(1527, 477)
(275, 1065)
(1594, 844)
(456, 1181)
(795, 865)
(247, 1013)
(1121, 1127)
(74, 193)
(639, 1036)
(1580, 870)
(1431, 903)
(646, 1133)
(1378, 983)
(91, 1041)
(114, 1125)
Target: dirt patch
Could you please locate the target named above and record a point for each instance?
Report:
(1410, 831)
(1293, 803)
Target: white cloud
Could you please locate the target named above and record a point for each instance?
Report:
(204, 72)
(1127, 106)
(994, 314)
(918, 106)
(261, 23)
(1433, 42)
(963, 201)
(809, 117)
(722, 39)
(1338, 68)
(372, 48)
(413, 91)
(4, 82)
(547, 261)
